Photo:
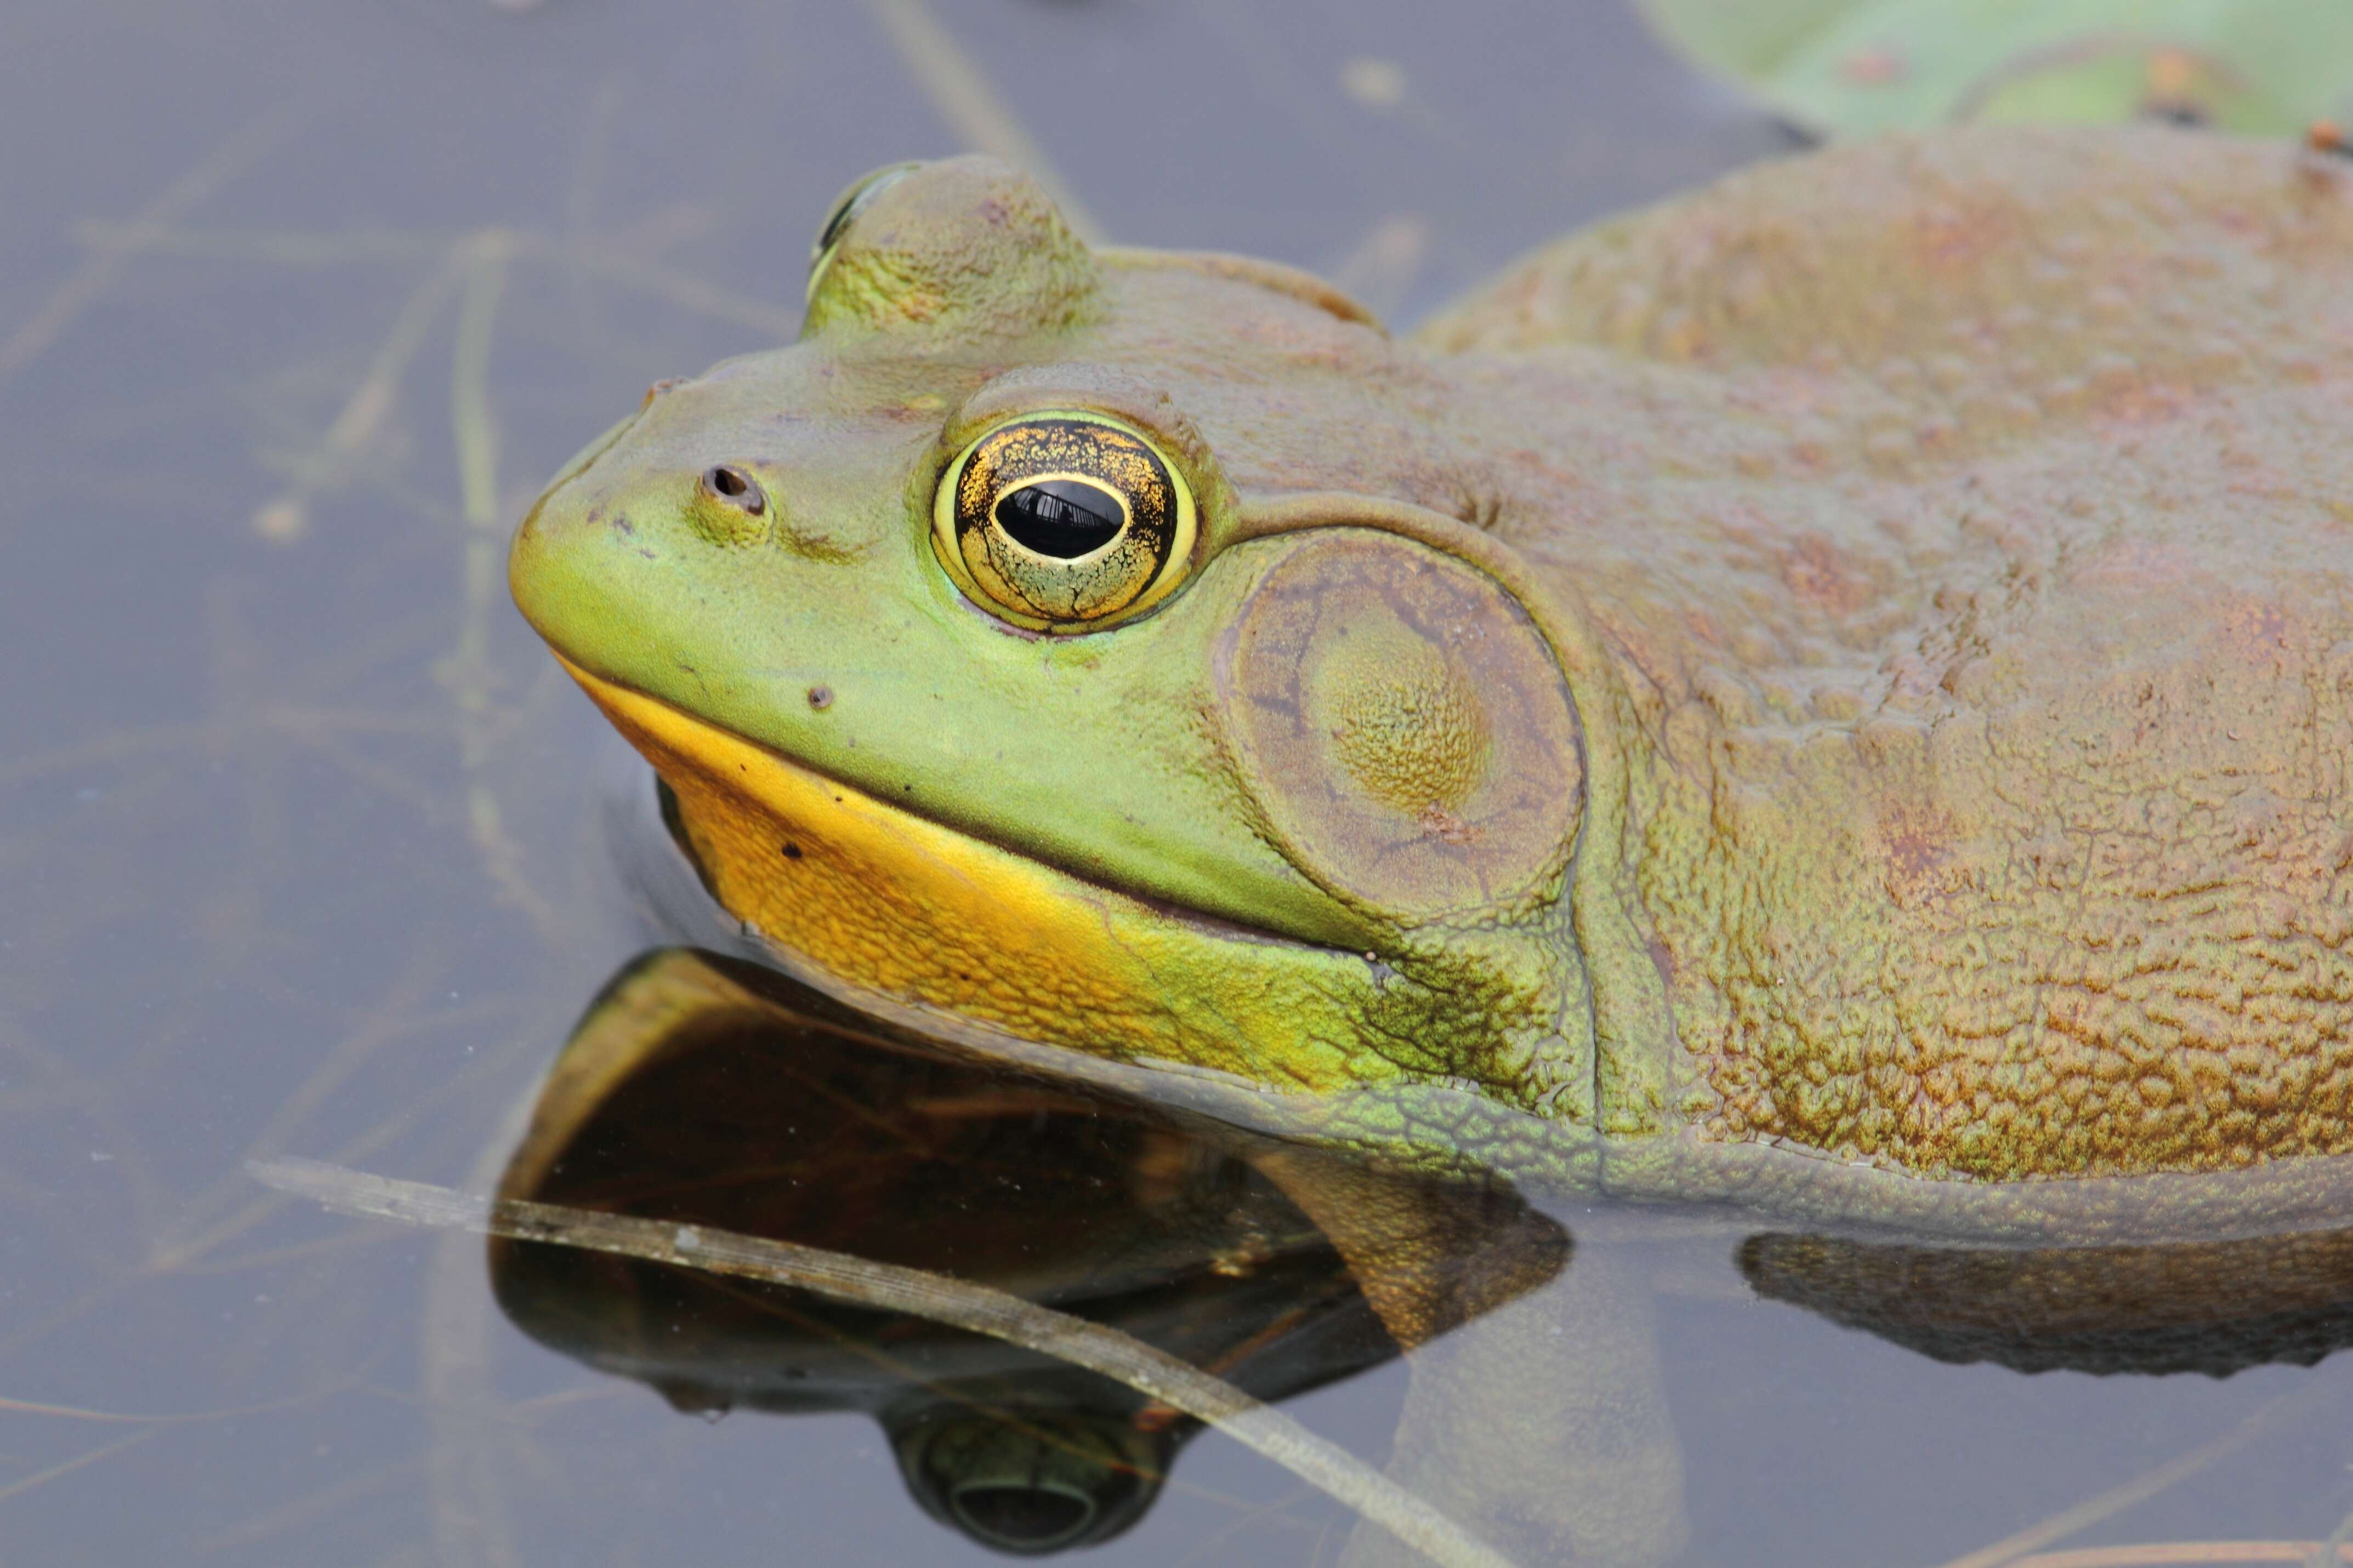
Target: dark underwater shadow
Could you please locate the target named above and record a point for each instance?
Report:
(713, 1092)
(2213, 1307)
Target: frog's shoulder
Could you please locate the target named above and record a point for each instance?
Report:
(2051, 243)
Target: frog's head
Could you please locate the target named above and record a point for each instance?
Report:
(1083, 644)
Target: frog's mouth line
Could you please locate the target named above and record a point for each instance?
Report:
(885, 901)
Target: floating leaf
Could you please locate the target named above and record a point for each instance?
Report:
(1844, 68)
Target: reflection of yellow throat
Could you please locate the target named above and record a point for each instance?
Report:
(890, 902)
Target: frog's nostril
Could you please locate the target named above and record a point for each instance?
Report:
(736, 488)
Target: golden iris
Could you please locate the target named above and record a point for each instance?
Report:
(1063, 522)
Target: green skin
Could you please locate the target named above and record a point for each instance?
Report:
(1937, 553)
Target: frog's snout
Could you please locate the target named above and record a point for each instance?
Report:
(572, 559)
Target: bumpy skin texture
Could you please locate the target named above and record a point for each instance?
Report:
(1943, 546)
(1976, 553)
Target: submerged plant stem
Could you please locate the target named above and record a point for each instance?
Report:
(100, 270)
(918, 1293)
(2012, 1552)
(2184, 1554)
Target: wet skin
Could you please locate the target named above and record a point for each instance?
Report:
(1831, 693)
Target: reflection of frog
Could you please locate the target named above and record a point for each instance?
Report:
(717, 1094)
(704, 1091)
(2212, 1307)
(1834, 693)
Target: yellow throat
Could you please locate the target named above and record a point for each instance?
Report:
(883, 902)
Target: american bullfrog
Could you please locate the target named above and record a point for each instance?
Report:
(1833, 694)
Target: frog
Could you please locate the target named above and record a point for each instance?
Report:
(1829, 695)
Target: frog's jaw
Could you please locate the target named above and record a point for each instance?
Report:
(881, 901)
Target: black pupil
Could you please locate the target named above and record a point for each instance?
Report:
(728, 482)
(1062, 517)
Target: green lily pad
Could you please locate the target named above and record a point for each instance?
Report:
(1844, 68)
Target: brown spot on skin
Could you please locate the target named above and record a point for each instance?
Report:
(1951, 238)
(2256, 628)
(2179, 87)
(1919, 843)
(2138, 563)
(1876, 67)
(820, 698)
(1443, 824)
(1679, 335)
(1914, 853)
(2134, 400)
(1817, 571)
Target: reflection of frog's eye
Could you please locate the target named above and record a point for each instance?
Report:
(1063, 522)
(853, 202)
(1028, 1482)
(733, 486)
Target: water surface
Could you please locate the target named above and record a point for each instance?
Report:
(302, 843)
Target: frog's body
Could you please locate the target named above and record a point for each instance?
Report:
(1838, 692)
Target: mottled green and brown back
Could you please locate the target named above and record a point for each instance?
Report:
(1970, 523)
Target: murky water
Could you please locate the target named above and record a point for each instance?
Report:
(305, 854)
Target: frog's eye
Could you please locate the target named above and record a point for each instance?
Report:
(853, 202)
(1063, 522)
(733, 486)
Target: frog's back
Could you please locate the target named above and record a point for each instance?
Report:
(2041, 247)
(1981, 564)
